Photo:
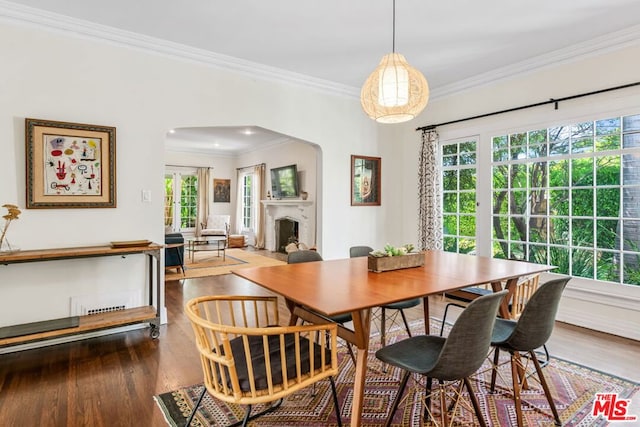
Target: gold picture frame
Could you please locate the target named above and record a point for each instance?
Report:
(70, 165)
(365, 181)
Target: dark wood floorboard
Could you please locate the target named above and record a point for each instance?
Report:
(111, 380)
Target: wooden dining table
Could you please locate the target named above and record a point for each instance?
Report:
(314, 291)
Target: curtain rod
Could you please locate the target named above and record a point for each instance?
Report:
(537, 104)
(251, 166)
(187, 166)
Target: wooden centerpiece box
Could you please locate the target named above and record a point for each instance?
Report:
(387, 263)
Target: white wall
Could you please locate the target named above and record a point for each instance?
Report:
(601, 306)
(301, 153)
(54, 76)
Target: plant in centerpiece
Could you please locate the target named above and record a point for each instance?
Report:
(12, 214)
(390, 250)
(394, 258)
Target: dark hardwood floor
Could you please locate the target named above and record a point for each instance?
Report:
(111, 380)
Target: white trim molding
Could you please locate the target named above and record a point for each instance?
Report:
(80, 28)
(593, 305)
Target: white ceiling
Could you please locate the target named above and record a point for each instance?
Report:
(453, 42)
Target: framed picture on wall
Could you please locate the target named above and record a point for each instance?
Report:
(365, 180)
(222, 190)
(70, 165)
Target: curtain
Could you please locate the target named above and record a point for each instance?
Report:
(258, 220)
(429, 193)
(204, 190)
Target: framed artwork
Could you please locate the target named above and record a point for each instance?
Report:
(365, 180)
(70, 165)
(221, 190)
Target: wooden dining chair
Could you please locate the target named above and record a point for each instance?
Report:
(247, 358)
(397, 307)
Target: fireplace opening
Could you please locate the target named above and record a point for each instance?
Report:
(286, 233)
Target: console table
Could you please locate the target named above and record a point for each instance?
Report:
(81, 324)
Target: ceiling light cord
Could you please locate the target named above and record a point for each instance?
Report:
(393, 43)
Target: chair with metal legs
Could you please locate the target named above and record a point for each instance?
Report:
(399, 307)
(524, 290)
(529, 332)
(454, 358)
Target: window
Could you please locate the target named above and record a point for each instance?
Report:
(181, 201)
(459, 195)
(570, 196)
(247, 201)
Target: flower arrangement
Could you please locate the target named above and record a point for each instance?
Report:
(12, 214)
(390, 250)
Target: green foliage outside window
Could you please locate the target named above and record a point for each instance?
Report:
(184, 187)
(568, 196)
(189, 201)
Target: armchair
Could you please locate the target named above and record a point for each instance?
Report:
(216, 225)
(248, 359)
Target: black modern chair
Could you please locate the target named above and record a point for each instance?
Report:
(454, 358)
(462, 297)
(529, 332)
(301, 256)
(361, 251)
(174, 253)
(524, 290)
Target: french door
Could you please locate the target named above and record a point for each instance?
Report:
(181, 201)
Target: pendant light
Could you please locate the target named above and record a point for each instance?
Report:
(395, 91)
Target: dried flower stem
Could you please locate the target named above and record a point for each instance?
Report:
(12, 213)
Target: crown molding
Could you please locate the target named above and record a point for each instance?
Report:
(598, 46)
(84, 29)
(79, 28)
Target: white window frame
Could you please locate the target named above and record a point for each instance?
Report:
(177, 176)
(525, 161)
(452, 163)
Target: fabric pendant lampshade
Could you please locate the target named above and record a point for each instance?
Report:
(395, 91)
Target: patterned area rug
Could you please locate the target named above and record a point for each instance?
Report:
(573, 387)
(207, 263)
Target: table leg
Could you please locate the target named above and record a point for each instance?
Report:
(359, 337)
(506, 314)
(504, 305)
(361, 326)
(427, 318)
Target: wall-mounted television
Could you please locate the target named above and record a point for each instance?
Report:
(284, 182)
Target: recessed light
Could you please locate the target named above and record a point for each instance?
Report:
(172, 131)
(248, 132)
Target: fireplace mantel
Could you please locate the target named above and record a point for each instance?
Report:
(295, 209)
(287, 202)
